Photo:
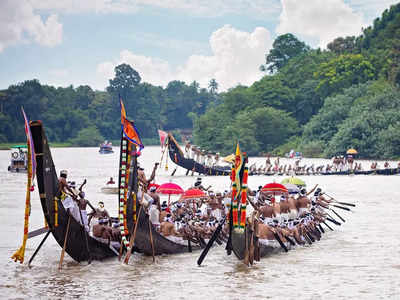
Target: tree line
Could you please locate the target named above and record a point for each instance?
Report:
(84, 117)
(319, 102)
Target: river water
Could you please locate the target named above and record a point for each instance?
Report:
(360, 259)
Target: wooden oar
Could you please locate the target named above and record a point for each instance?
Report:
(37, 232)
(280, 241)
(151, 239)
(341, 207)
(343, 203)
(246, 250)
(290, 240)
(86, 238)
(211, 241)
(320, 228)
(132, 239)
(65, 243)
(333, 221)
(173, 172)
(38, 248)
(338, 215)
(327, 225)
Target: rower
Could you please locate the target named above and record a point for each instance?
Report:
(63, 186)
(111, 181)
(152, 193)
(216, 157)
(99, 213)
(155, 208)
(303, 203)
(284, 208)
(187, 150)
(100, 230)
(142, 177)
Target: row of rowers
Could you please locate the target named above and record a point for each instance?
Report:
(194, 219)
(98, 223)
(295, 216)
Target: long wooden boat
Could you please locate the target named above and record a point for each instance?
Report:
(177, 156)
(162, 245)
(53, 208)
(134, 215)
(239, 244)
(388, 171)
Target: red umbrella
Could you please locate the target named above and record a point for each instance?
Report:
(193, 194)
(274, 189)
(169, 189)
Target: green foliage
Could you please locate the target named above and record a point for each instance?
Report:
(342, 72)
(319, 102)
(283, 49)
(258, 129)
(88, 137)
(335, 110)
(313, 149)
(126, 78)
(292, 143)
(374, 134)
(342, 45)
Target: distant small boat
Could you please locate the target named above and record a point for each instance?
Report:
(106, 148)
(109, 190)
(19, 159)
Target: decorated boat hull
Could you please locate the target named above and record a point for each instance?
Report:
(177, 156)
(56, 216)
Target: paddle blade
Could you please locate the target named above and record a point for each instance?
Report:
(348, 204)
(342, 207)
(210, 243)
(280, 242)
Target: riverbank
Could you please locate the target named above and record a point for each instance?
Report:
(8, 146)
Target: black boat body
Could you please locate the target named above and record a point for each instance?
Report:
(142, 242)
(387, 172)
(162, 245)
(239, 245)
(47, 182)
(177, 156)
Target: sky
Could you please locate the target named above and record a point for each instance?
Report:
(80, 42)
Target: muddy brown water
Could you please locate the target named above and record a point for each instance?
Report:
(359, 260)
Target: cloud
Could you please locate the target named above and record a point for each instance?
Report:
(19, 24)
(207, 8)
(236, 57)
(321, 20)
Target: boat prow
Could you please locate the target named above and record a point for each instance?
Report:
(55, 214)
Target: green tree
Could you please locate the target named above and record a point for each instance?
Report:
(88, 137)
(283, 49)
(213, 86)
(343, 72)
(342, 45)
(126, 78)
